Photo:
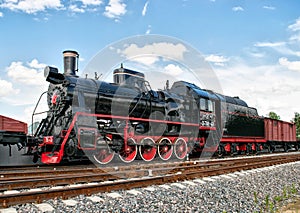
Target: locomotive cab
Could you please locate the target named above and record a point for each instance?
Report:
(201, 101)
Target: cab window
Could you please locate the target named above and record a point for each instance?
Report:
(202, 104)
(206, 105)
(210, 106)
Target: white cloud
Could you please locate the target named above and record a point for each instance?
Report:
(269, 7)
(148, 30)
(29, 75)
(24, 87)
(91, 2)
(291, 65)
(288, 47)
(269, 44)
(41, 19)
(256, 54)
(173, 70)
(145, 59)
(270, 87)
(31, 6)
(295, 37)
(216, 59)
(155, 50)
(36, 65)
(237, 8)
(280, 47)
(145, 8)
(115, 9)
(267, 88)
(6, 88)
(86, 5)
(75, 9)
(295, 26)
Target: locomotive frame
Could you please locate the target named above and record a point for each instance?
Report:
(133, 143)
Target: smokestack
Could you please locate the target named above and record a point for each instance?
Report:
(70, 62)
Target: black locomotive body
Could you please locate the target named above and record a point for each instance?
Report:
(242, 120)
(96, 119)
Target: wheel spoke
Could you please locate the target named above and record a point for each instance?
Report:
(165, 149)
(103, 154)
(147, 149)
(128, 155)
(180, 148)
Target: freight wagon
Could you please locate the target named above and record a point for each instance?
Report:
(15, 143)
(12, 132)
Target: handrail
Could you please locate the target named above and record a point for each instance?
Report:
(34, 113)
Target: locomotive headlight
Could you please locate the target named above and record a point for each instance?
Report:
(51, 74)
(48, 70)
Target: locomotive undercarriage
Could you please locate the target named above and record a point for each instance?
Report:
(145, 141)
(132, 139)
(254, 146)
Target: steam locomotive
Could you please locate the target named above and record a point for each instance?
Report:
(128, 120)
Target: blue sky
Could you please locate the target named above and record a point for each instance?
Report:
(253, 46)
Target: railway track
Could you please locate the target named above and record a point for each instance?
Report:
(36, 185)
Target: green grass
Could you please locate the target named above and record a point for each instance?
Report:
(269, 205)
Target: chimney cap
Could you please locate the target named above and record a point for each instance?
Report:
(70, 53)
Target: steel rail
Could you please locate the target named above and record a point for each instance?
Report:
(192, 170)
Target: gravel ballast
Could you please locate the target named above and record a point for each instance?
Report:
(259, 190)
